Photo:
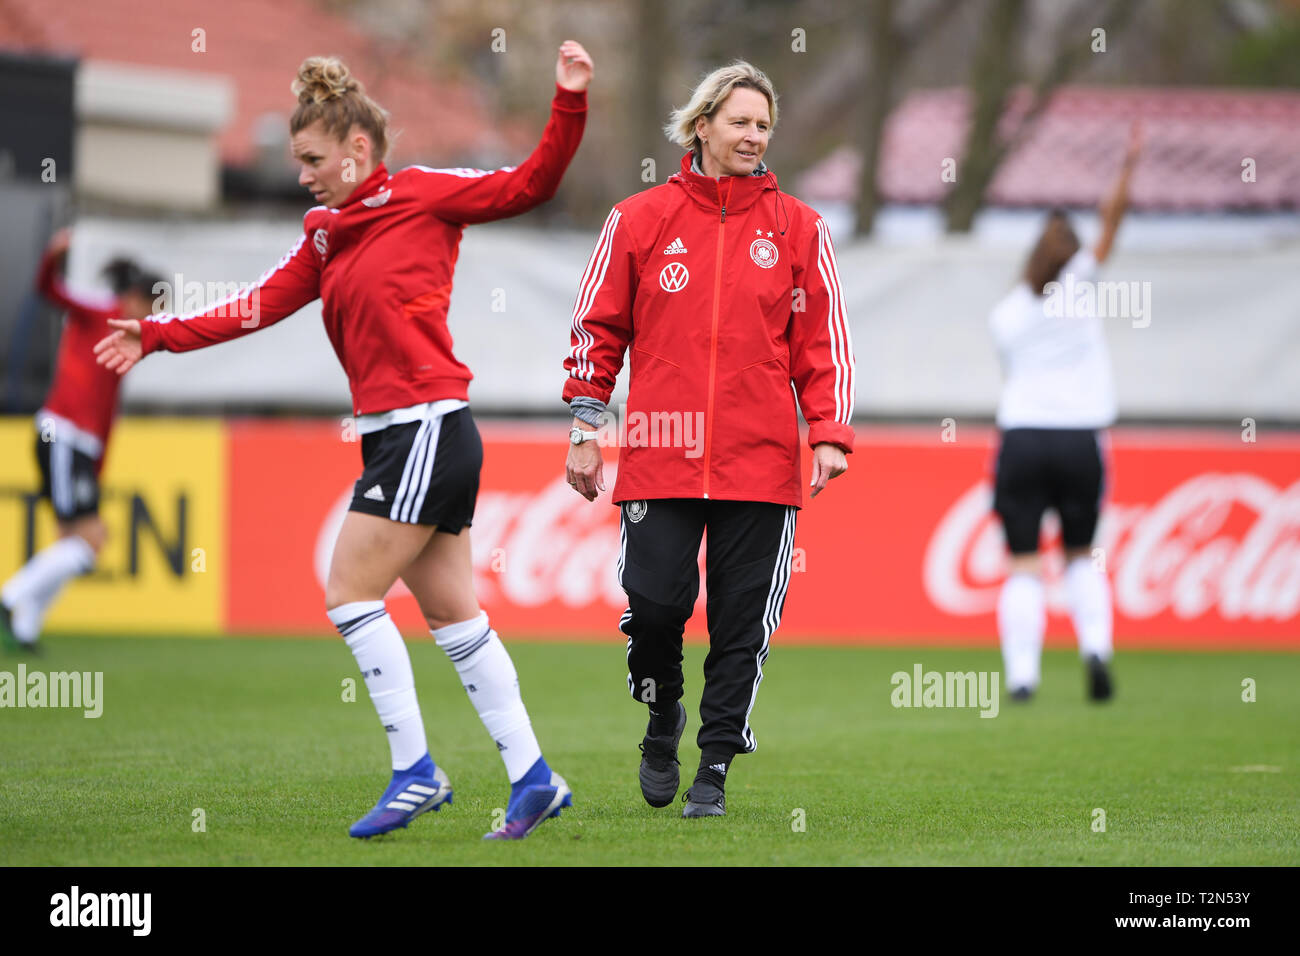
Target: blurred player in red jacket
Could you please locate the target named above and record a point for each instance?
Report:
(379, 251)
(725, 296)
(72, 430)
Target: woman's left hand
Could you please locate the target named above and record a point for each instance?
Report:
(573, 68)
(829, 461)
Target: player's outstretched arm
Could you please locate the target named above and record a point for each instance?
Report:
(278, 293)
(475, 195)
(121, 349)
(1113, 209)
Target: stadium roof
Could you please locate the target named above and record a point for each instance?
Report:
(259, 46)
(1195, 141)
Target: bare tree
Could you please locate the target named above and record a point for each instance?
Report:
(994, 73)
(650, 45)
(890, 42)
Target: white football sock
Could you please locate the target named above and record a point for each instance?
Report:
(31, 591)
(386, 668)
(1087, 589)
(489, 676)
(26, 623)
(1022, 619)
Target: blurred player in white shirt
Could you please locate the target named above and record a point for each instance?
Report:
(1057, 399)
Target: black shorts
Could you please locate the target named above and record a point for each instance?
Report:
(1041, 468)
(68, 479)
(423, 472)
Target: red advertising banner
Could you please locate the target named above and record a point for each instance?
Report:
(1200, 536)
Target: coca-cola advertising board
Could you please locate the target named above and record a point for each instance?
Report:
(1200, 537)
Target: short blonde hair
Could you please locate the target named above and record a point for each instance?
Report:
(711, 94)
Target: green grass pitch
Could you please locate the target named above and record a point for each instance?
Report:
(255, 733)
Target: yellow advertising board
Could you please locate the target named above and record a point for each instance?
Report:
(163, 497)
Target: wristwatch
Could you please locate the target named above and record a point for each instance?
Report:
(579, 435)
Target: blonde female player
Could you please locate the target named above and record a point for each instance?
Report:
(379, 251)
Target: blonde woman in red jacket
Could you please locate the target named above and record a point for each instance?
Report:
(379, 251)
(723, 293)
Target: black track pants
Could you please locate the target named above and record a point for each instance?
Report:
(750, 546)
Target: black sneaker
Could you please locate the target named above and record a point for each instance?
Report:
(1022, 694)
(1099, 685)
(660, 774)
(704, 800)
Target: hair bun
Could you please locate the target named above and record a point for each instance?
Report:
(323, 78)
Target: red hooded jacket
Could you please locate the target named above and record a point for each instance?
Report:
(725, 294)
(382, 265)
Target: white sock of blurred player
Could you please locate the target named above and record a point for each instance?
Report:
(386, 668)
(1022, 619)
(31, 591)
(1087, 590)
(492, 683)
(26, 622)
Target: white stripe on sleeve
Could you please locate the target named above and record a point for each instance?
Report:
(162, 318)
(590, 285)
(837, 325)
(464, 172)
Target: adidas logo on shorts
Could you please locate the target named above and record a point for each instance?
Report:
(375, 494)
(676, 248)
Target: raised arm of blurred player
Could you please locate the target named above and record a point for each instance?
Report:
(279, 292)
(476, 195)
(49, 278)
(1113, 209)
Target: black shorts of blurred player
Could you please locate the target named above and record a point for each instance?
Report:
(69, 479)
(68, 460)
(1041, 468)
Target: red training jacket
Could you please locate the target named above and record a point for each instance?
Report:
(725, 293)
(382, 266)
(83, 391)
